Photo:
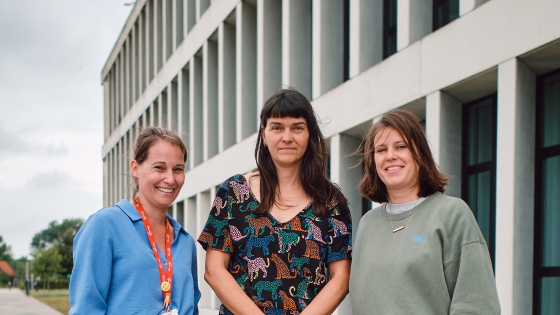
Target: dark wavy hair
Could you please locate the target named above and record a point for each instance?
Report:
(291, 103)
(430, 179)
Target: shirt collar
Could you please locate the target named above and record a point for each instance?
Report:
(134, 215)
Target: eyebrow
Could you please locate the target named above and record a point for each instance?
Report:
(162, 162)
(296, 123)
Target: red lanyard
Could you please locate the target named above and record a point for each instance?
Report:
(165, 281)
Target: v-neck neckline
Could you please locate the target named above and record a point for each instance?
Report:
(309, 204)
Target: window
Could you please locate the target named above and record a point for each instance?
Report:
(346, 41)
(445, 11)
(546, 286)
(479, 165)
(389, 28)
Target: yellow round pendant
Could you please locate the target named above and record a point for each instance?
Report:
(165, 286)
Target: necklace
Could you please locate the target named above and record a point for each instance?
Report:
(401, 227)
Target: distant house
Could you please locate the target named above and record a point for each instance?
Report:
(5, 267)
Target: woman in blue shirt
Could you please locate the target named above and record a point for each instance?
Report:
(132, 258)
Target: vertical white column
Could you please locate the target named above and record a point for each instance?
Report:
(414, 21)
(443, 130)
(348, 179)
(196, 116)
(466, 6)
(226, 90)
(202, 211)
(121, 86)
(296, 45)
(106, 108)
(158, 34)
(137, 55)
(150, 43)
(210, 99)
(366, 35)
(246, 79)
(515, 186)
(328, 43)
(142, 52)
(269, 50)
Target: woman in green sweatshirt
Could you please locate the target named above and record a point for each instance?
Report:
(420, 252)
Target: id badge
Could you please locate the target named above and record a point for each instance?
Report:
(170, 312)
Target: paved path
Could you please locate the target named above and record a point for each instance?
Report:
(15, 302)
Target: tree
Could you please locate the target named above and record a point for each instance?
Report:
(47, 263)
(60, 236)
(5, 254)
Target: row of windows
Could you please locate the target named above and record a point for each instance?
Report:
(163, 24)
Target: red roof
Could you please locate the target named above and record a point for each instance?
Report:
(6, 268)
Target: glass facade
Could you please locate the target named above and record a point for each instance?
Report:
(479, 165)
(547, 199)
(389, 28)
(445, 11)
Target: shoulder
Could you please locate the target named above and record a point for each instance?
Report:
(457, 218)
(449, 207)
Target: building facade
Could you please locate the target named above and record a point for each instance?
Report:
(482, 74)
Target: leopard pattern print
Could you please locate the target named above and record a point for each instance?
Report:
(314, 233)
(258, 224)
(258, 242)
(319, 277)
(295, 225)
(302, 304)
(207, 237)
(265, 305)
(241, 191)
(218, 204)
(298, 262)
(301, 289)
(281, 268)
(311, 249)
(236, 235)
(336, 255)
(338, 227)
(241, 281)
(289, 304)
(286, 240)
(217, 224)
(271, 286)
(255, 265)
(228, 246)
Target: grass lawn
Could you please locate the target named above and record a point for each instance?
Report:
(57, 299)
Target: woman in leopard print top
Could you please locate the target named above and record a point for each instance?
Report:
(271, 233)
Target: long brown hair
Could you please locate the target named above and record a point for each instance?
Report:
(291, 103)
(144, 142)
(430, 179)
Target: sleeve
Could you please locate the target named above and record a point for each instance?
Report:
(339, 236)
(91, 275)
(216, 232)
(470, 281)
(194, 272)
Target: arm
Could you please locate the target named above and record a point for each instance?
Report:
(225, 286)
(93, 260)
(471, 282)
(334, 292)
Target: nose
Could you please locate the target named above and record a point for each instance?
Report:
(390, 155)
(169, 177)
(287, 135)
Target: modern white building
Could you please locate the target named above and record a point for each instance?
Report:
(483, 75)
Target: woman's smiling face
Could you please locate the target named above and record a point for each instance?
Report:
(394, 162)
(161, 175)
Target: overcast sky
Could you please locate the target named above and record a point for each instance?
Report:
(51, 111)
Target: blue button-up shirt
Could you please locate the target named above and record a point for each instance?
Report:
(115, 271)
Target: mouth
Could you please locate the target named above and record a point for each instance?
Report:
(391, 169)
(165, 190)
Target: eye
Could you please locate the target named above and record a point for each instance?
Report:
(158, 167)
(401, 146)
(380, 150)
(179, 169)
(275, 127)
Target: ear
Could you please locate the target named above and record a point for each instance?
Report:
(134, 168)
(262, 135)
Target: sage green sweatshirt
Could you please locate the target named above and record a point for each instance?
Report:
(437, 264)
